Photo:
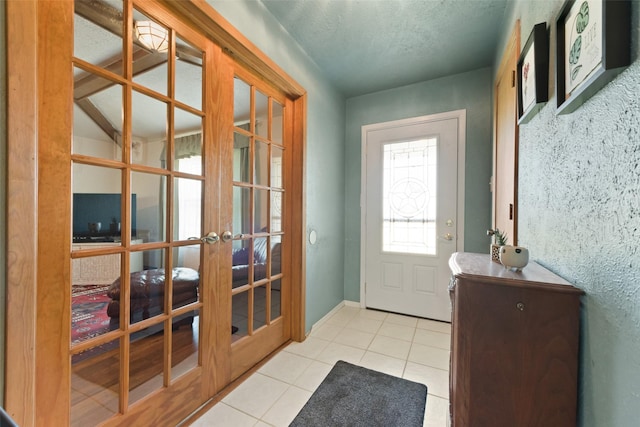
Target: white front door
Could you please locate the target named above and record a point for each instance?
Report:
(412, 221)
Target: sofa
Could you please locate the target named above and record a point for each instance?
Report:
(147, 295)
(240, 263)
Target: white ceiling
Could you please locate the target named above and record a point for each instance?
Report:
(365, 46)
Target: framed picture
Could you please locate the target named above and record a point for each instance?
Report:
(533, 74)
(593, 45)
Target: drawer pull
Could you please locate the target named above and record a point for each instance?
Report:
(520, 306)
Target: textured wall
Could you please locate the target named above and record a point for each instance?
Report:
(579, 207)
(325, 151)
(470, 91)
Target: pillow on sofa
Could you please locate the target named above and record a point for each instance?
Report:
(240, 256)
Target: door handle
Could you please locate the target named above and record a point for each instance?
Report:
(447, 236)
(226, 236)
(210, 238)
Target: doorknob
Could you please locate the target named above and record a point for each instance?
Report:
(210, 238)
(226, 236)
(447, 236)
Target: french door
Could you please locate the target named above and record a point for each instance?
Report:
(162, 262)
(145, 179)
(259, 290)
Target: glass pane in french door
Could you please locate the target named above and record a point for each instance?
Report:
(138, 185)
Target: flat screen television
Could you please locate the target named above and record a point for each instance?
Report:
(99, 207)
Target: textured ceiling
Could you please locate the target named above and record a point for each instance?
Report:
(365, 46)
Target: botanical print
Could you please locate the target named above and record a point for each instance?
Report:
(529, 78)
(583, 42)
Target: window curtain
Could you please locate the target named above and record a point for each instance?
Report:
(184, 147)
(188, 146)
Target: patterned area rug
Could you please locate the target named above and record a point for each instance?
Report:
(89, 312)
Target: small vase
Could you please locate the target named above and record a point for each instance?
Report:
(495, 253)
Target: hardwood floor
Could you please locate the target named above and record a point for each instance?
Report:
(96, 373)
(95, 381)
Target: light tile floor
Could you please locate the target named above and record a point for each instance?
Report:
(404, 346)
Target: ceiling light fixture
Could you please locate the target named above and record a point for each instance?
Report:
(153, 36)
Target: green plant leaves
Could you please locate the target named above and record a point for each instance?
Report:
(575, 71)
(576, 49)
(582, 20)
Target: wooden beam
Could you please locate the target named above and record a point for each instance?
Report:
(88, 84)
(100, 13)
(99, 119)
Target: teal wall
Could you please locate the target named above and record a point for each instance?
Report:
(325, 151)
(579, 215)
(471, 91)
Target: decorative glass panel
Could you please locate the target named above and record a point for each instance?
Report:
(187, 142)
(409, 197)
(95, 379)
(276, 211)
(92, 277)
(276, 255)
(276, 166)
(240, 261)
(239, 315)
(261, 215)
(90, 273)
(146, 357)
(104, 46)
(187, 208)
(241, 157)
(149, 213)
(276, 299)
(147, 281)
(259, 307)
(259, 259)
(241, 102)
(188, 87)
(150, 53)
(241, 210)
(276, 122)
(97, 117)
(188, 257)
(185, 345)
(96, 205)
(149, 130)
(262, 115)
(261, 164)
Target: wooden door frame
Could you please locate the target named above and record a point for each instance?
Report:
(513, 45)
(32, 398)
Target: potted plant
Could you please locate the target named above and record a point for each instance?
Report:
(499, 239)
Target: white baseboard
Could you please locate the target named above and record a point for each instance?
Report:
(352, 304)
(326, 317)
(333, 311)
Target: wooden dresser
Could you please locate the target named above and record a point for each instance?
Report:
(514, 345)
